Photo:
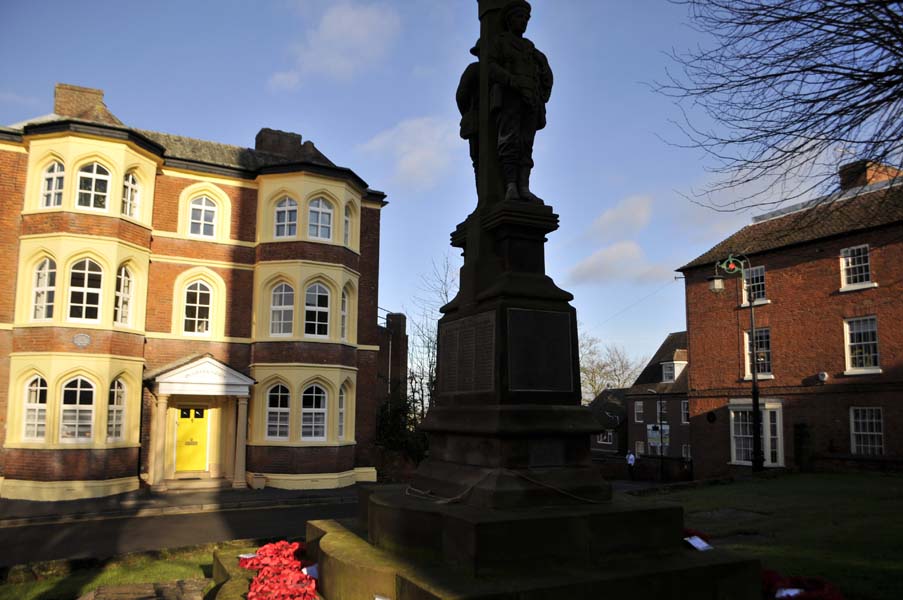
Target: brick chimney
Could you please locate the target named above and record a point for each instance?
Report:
(865, 172)
(283, 143)
(81, 103)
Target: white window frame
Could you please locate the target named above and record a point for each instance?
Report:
(316, 315)
(35, 410)
(315, 414)
(98, 191)
(607, 437)
(343, 316)
(346, 232)
(116, 411)
(638, 411)
(341, 413)
(125, 287)
(669, 372)
(43, 290)
(278, 415)
(287, 208)
(761, 333)
(86, 291)
(849, 351)
(639, 447)
(131, 195)
(772, 430)
(206, 207)
(685, 412)
(53, 181)
(856, 269)
(202, 326)
(755, 280)
(866, 430)
(685, 452)
(661, 411)
(319, 219)
(78, 413)
(282, 310)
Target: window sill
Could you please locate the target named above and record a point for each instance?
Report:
(855, 287)
(760, 377)
(757, 302)
(864, 371)
(738, 463)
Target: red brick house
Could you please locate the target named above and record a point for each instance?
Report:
(826, 283)
(178, 309)
(657, 401)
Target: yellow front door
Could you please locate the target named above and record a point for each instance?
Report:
(191, 449)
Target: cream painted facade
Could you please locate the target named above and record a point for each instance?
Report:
(68, 363)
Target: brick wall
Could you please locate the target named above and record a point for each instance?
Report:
(14, 167)
(304, 352)
(243, 222)
(86, 224)
(678, 432)
(281, 459)
(59, 339)
(309, 251)
(368, 294)
(805, 317)
(160, 352)
(6, 344)
(371, 393)
(70, 465)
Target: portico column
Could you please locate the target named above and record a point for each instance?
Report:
(241, 440)
(158, 443)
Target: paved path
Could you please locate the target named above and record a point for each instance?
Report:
(102, 538)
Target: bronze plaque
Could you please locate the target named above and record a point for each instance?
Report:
(467, 354)
(539, 351)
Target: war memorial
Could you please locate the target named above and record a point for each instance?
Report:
(508, 505)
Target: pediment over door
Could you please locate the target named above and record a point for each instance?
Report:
(202, 376)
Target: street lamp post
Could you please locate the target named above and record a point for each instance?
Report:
(733, 265)
(661, 435)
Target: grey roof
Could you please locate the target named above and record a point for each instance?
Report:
(674, 348)
(858, 209)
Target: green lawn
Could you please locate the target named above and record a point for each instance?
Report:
(847, 528)
(145, 567)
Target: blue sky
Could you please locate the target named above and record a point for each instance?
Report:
(372, 84)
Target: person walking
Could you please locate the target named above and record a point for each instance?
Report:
(631, 460)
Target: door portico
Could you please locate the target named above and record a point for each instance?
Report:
(200, 422)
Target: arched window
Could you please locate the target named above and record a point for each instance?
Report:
(197, 308)
(278, 399)
(341, 415)
(130, 195)
(44, 290)
(282, 310)
(316, 311)
(286, 218)
(122, 311)
(320, 219)
(343, 322)
(35, 409)
(347, 224)
(313, 414)
(116, 411)
(202, 220)
(85, 281)
(52, 192)
(78, 411)
(93, 186)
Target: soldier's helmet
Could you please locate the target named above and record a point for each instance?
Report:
(512, 6)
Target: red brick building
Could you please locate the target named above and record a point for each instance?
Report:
(826, 283)
(182, 309)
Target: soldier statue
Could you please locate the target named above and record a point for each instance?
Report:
(468, 99)
(521, 83)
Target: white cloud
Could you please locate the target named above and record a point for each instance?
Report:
(622, 261)
(348, 38)
(421, 149)
(629, 216)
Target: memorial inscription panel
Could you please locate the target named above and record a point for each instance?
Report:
(539, 351)
(467, 354)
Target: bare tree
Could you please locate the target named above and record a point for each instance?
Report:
(605, 367)
(436, 289)
(795, 88)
